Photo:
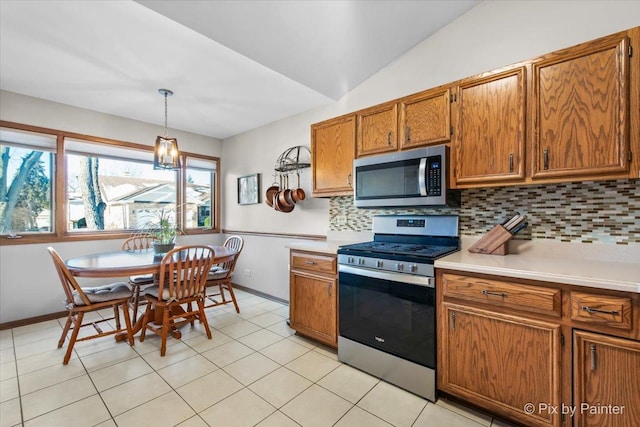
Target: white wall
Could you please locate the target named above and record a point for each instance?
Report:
(29, 285)
(491, 35)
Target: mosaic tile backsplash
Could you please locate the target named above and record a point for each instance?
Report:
(591, 211)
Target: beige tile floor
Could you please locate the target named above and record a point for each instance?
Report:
(254, 372)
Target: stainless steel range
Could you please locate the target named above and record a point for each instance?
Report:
(387, 313)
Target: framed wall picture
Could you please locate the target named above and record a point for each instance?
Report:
(249, 189)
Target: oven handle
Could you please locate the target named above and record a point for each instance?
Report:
(427, 282)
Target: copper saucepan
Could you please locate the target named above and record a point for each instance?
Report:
(270, 192)
(285, 201)
(298, 193)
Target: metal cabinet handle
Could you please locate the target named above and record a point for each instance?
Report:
(408, 134)
(310, 262)
(349, 180)
(593, 356)
(329, 289)
(545, 155)
(498, 294)
(510, 163)
(389, 138)
(452, 320)
(596, 310)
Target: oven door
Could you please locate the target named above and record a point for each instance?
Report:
(392, 312)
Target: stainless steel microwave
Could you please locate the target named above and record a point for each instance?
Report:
(415, 177)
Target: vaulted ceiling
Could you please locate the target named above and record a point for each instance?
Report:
(233, 65)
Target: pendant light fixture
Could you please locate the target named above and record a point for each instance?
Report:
(165, 155)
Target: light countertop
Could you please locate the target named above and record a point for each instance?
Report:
(613, 267)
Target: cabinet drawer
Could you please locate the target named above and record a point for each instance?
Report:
(601, 309)
(535, 299)
(313, 262)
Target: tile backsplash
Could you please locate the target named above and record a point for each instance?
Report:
(591, 211)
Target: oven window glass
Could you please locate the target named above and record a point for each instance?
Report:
(394, 317)
(396, 179)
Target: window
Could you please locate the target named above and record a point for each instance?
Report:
(114, 188)
(26, 171)
(200, 185)
(105, 188)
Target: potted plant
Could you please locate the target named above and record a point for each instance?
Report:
(164, 231)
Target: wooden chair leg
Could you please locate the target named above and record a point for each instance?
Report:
(233, 298)
(127, 322)
(74, 336)
(203, 318)
(165, 329)
(136, 302)
(116, 315)
(145, 320)
(65, 330)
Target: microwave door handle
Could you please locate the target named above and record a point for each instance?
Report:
(422, 176)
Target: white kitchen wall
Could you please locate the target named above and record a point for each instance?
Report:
(29, 285)
(491, 35)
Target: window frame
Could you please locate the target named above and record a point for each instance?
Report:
(59, 191)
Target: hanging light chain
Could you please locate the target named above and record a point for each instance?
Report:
(166, 128)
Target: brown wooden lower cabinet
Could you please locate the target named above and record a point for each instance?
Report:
(570, 359)
(606, 380)
(313, 296)
(501, 362)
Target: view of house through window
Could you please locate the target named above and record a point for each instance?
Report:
(105, 185)
(26, 176)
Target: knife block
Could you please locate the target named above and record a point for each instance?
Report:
(493, 243)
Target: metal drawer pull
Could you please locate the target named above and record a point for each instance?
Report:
(452, 320)
(310, 262)
(498, 294)
(593, 356)
(595, 310)
(389, 138)
(329, 289)
(510, 163)
(408, 134)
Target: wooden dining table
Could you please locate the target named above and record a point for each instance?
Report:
(128, 263)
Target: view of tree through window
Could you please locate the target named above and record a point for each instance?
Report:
(56, 185)
(116, 194)
(26, 161)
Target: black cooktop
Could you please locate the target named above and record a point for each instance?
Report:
(381, 248)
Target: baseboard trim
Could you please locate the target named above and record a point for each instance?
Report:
(32, 320)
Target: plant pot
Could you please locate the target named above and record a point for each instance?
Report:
(163, 248)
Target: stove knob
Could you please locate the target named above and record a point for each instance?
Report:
(360, 261)
(413, 268)
(399, 266)
(350, 260)
(379, 263)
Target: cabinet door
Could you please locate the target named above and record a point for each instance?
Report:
(332, 153)
(606, 380)
(313, 308)
(580, 110)
(378, 130)
(490, 132)
(425, 119)
(500, 362)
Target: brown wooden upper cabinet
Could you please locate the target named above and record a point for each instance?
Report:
(489, 138)
(425, 118)
(580, 110)
(377, 129)
(332, 154)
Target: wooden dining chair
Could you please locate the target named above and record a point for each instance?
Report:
(183, 276)
(81, 300)
(219, 278)
(138, 243)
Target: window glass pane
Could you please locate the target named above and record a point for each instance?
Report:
(117, 194)
(199, 196)
(25, 188)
